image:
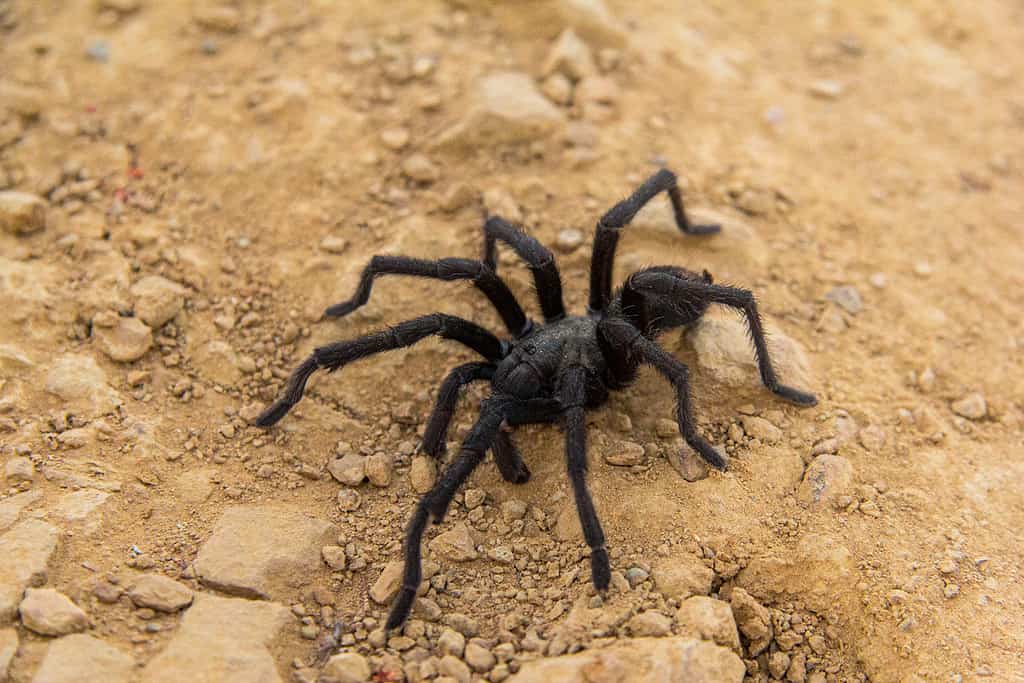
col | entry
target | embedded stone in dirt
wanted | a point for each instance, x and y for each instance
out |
(157, 300)
(217, 361)
(972, 406)
(349, 470)
(258, 551)
(82, 384)
(50, 613)
(25, 551)
(8, 646)
(160, 593)
(682, 576)
(387, 584)
(625, 454)
(569, 56)
(710, 619)
(738, 240)
(422, 473)
(22, 213)
(79, 505)
(347, 667)
(820, 571)
(221, 639)
(456, 544)
(753, 619)
(81, 657)
(760, 428)
(127, 341)
(826, 478)
(10, 508)
(639, 660)
(649, 623)
(506, 108)
(724, 353)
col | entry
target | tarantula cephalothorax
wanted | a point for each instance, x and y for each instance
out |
(546, 372)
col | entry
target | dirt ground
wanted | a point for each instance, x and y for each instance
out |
(867, 157)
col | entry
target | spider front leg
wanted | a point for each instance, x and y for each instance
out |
(692, 293)
(572, 394)
(435, 503)
(628, 340)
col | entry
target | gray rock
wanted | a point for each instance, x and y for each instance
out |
(258, 551)
(160, 593)
(639, 660)
(50, 613)
(709, 619)
(157, 300)
(22, 213)
(81, 657)
(25, 551)
(827, 478)
(221, 639)
(847, 297)
(506, 107)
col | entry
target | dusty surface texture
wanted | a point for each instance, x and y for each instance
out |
(185, 186)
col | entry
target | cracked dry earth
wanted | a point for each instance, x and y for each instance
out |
(185, 186)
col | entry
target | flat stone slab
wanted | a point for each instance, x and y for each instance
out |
(221, 640)
(25, 551)
(640, 660)
(10, 508)
(81, 657)
(260, 551)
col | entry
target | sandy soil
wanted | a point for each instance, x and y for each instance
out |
(868, 157)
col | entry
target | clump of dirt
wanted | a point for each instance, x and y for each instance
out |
(184, 187)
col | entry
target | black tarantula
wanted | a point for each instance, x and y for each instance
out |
(546, 372)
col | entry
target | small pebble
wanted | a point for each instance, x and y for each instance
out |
(569, 240)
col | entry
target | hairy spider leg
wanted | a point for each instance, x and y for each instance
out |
(572, 393)
(483, 277)
(607, 237)
(627, 339)
(690, 293)
(434, 504)
(539, 258)
(339, 354)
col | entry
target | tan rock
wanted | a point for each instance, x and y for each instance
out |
(753, 619)
(50, 613)
(682, 576)
(259, 551)
(157, 300)
(8, 648)
(649, 624)
(22, 213)
(82, 385)
(25, 551)
(709, 619)
(221, 639)
(160, 593)
(639, 660)
(81, 657)
(827, 478)
(347, 667)
(456, 544)
(820, 571)
(127, 341)
(569, 56)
